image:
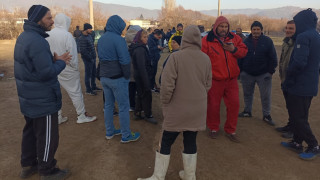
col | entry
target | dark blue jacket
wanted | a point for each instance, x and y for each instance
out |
(36, 73)
(87, 50)
(153, 48)
(113, 51)
(259, 60)
(303, 69)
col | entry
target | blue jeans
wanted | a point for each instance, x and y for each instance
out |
(116, 89)
(90, 74)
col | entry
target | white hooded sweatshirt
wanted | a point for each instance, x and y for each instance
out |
(62, 41)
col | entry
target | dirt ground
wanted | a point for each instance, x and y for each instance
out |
(85, 151)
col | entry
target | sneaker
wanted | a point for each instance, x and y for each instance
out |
(91, 93)
(96, 89)
(28, 171)
(287, 135)
(283, 129)
(62, 119)
(85, 118)
(138, 115)
(310, 153)
(132, 137)
(298, 148)
(268, 120)
(115, 132)
(155, 90)
(58, 174)
(233, 137)
(131, 109)
(151, 119)
(245, 114)
(213, 134)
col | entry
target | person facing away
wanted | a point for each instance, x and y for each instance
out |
(301, 83)
(154, 50)
(179, 32)
(61, 41)
(186, 80)
(114, 75)
(286, 51)
(88, 55)
(142, 72)
(224, 48)
(257, 68)
(36, 72)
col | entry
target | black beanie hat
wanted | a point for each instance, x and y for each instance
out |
(180, 25)
(177, 39)
(37, 12)
(257, 24)
(87, 26)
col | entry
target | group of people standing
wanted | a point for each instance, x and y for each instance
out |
(195, 77)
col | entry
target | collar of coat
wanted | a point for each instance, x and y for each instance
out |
(211, 36)
(32, 26)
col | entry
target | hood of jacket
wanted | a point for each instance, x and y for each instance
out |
(134, 46)
(62, 21)
(115, 24)
(305, 20)
(191, 38)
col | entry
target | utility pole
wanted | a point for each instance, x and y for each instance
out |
(91, 13)
(219, 13)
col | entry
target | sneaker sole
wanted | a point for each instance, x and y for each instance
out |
(132, 140)
(292, 149)
(110, 137)
(308, 159)
(86, 121)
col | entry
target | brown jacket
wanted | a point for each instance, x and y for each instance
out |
(186, 79)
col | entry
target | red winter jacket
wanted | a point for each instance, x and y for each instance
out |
(224, 63)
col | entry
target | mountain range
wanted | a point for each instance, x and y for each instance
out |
(129, 13)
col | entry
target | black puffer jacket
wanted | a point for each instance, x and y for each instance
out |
(141, 64)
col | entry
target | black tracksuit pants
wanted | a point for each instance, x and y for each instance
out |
(144, 99)
(189, 142)
(298, 108)
(40, 141)
(289, 124)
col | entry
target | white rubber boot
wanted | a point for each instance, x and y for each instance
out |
(60, 118)
(84, 118)
(160, 167)
(189, 166)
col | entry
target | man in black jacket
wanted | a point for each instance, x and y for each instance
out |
(258, 67)
(88, 55)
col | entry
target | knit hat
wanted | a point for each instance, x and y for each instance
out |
(87, 26)
(257, 24)
(179, 25)
(37, 12)
(220, 20)
(177, 39)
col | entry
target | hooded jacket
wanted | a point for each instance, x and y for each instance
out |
(131, 33)
(303, 69)
(224, 63)
(186, 80)
(36, 73)
(61, 41)
(113, 51)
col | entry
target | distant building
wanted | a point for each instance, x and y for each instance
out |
(143, 23)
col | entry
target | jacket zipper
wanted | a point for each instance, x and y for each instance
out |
(225, 55)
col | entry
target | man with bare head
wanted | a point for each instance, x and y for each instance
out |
(239, 33)
(36, 72)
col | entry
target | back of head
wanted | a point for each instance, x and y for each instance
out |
(115, 24)
(131, 32)
(305, 20)
(62, 21)
(191, 37)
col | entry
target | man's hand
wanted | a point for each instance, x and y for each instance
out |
(228, 46)
(66, 57)
(159, 47)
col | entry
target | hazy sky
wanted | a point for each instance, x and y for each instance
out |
(225, 4)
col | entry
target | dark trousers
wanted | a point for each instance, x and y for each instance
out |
(154, 73)
(144, 99)
(132, 94)
(40, 141)
(189, 142)
(289, 124)
(90, 74)
(298, 108)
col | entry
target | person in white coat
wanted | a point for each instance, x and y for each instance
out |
(61, 41)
